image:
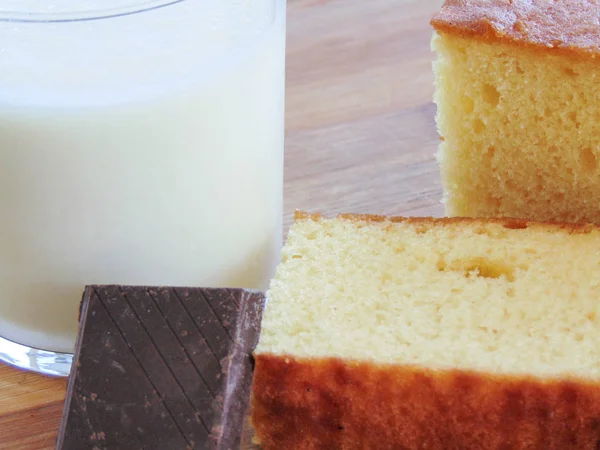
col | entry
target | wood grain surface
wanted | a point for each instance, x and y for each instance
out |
(360, 137)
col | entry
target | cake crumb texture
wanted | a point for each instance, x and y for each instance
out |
(520, 128)
(506, 296)
(450, 333)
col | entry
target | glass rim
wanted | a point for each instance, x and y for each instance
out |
(81, 16)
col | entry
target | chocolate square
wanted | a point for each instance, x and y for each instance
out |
(161, 368)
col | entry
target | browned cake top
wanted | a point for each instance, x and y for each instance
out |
(558, 26)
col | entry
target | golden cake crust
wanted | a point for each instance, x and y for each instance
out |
(559, 26)
(334, 404)
(427, 222)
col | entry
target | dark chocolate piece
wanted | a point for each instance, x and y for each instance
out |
(161, 368)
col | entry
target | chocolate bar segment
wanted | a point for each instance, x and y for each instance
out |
(161, 367)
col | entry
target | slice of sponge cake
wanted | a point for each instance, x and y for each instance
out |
(393, 333)
(518, 107)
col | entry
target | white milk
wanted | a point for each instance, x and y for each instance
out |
(143, 149)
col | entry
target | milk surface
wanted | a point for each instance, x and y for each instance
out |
(141, 149)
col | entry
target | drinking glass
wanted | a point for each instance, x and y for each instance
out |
(141, 142)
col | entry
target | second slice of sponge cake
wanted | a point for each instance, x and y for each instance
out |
(519, 107)
(384, 333)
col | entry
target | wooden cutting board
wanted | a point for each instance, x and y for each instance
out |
(360, 137)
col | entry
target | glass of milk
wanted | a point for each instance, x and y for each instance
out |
(141, 142)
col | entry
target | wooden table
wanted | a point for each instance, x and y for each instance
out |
(360, 138)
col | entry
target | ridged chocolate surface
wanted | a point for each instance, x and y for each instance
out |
(161, 368)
